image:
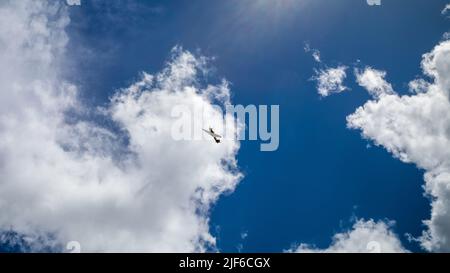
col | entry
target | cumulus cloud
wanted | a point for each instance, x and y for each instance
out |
(373, 80)
(130, 189)
(364, 237)
(330, 80)
(416, 128)
(418, 85)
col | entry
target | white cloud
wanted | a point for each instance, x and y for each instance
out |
(365, 237)
(77, 180)
(446, 36)
(314, 52)
(330, 80)
(446, 9)
(373, 80)
(73, 2)
(416, 128)
(418, 85)
(316, 56)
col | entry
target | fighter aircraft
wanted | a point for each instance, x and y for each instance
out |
(214, 135)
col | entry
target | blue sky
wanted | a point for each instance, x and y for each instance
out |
(324, 176)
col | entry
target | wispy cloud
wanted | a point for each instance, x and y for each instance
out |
(330, 80)
(446, 9)
(315, 53)
(374, 81)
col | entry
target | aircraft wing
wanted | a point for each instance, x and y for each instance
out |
(212, 134)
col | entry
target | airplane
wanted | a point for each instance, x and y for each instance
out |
(214, 135)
